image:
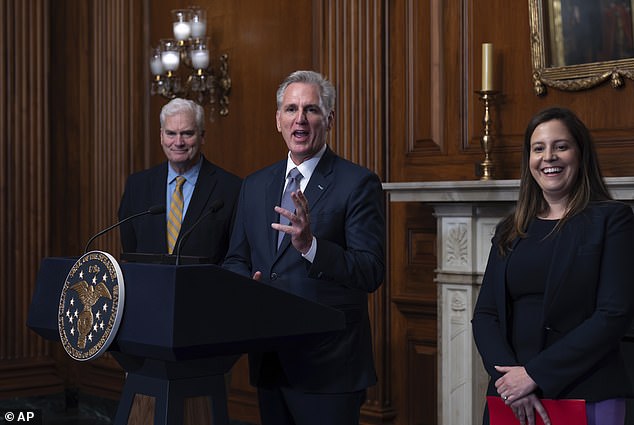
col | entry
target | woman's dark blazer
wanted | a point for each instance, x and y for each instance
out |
(588, 307)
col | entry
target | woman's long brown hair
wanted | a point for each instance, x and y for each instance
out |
(588, 186)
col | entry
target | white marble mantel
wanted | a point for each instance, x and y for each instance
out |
(467, 213)
(622, 188)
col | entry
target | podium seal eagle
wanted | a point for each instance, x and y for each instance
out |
(91, 305)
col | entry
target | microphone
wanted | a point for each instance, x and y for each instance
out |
(154, 209)
(214, 207)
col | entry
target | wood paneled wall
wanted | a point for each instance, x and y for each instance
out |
(98, 111)
(78, 118)
(348, 49)
(262, 50)
(434, 123)
(25, 204)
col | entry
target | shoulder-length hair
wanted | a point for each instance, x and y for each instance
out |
(588, 186)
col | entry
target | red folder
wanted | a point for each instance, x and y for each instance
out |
(560, 412)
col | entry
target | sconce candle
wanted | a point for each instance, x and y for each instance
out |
(198, 21)
(198, 28)
(170, 60)
(156, 65)
(189, 49)
(200, 59)
(487, 66)
(182, 30)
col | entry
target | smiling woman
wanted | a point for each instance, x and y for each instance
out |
(554, 164)
(564, 257)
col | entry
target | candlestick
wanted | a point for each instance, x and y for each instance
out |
(487, 66)
(487, 167)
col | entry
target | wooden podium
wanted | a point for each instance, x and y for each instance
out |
(184, 327)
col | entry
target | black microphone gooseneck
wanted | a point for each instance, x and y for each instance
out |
(214, 207)
(155, 209)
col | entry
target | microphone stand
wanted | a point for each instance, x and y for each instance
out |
(156, 209)
(215, 206)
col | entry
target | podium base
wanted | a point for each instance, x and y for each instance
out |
(170, 383)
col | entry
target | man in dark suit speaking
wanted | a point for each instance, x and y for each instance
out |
(193, 190)
(313, 224)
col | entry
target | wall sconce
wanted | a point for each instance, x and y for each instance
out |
(190, 49)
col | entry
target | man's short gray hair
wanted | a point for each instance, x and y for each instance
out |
(327, 92)
(179, 106)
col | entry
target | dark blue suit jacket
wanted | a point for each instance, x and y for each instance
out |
(346, 205)
(147, 234)
(588, 307)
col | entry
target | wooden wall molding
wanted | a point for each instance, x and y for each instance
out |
(117, 51)
(424, 77)
(349, 51)
(349, 46)
(412, 335)
(70, 119)
(422, 359)
(24, 182)
(416, 76)
(120, 69)
(30, 375)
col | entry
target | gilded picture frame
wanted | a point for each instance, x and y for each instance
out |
(579, 44)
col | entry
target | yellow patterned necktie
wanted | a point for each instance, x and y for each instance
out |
(175, 216)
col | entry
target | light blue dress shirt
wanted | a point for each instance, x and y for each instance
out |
(191, 176)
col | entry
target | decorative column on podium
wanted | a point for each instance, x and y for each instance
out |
(486, 168)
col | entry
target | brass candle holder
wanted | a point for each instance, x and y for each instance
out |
(487, 167)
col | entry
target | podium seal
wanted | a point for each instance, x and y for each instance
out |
(91, 305)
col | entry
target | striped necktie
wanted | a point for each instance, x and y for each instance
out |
(294, 176)
(175, 216)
